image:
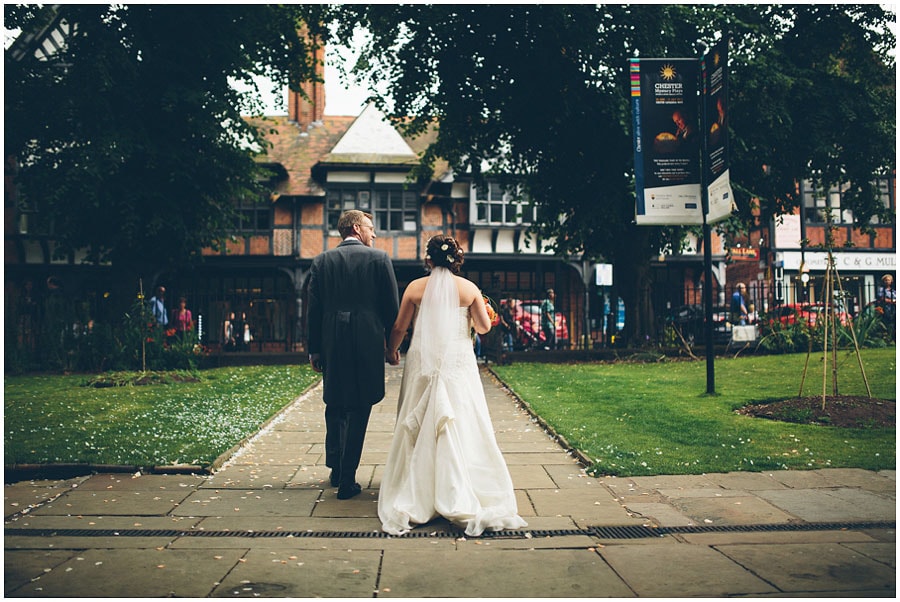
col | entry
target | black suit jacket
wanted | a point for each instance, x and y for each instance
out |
(353, 302)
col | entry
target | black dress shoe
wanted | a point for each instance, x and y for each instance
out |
(348, 491)
(335, 477)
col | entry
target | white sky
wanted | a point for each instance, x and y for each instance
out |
(339, 98)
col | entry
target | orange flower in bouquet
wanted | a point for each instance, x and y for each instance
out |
(492, 313)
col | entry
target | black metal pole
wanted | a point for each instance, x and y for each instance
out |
(707, 249)
(708, 305)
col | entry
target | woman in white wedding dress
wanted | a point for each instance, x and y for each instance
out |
(444, 458)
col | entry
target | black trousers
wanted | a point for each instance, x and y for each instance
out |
(345, 432)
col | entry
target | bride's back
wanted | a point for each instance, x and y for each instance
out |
(468, 292)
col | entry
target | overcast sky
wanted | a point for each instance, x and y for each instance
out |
(339, 98)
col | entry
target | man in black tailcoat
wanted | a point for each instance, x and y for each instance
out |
(353, 302)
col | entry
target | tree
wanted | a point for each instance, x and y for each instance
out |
(131, 136)
(539, 93)
(814, 96)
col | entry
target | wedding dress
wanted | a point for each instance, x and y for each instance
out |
(444, 459)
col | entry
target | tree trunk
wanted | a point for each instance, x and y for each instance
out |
(632, 275)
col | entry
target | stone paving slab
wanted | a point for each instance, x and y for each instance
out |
(731, 510)
(746, 481)
(660, 515)
(302, 573)
(572, 476)
(118, 573)
(885, 553)
(843, 536)
(67, 542)
(256, 477)
(586, 507)
(274, 456)
(531, 476)
(832, 505)
(856, 477)
(529, 573)
(664, 570)
(827, 567)
(255, 502)
(130, 503)
(97, 523)
(289, 524)
(139, 482)
(659, 482)
(22, 568)
(26, 495)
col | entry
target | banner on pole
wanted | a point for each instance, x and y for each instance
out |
(715, 121)
(665, 103)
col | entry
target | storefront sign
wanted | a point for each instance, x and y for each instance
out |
(843, 262)
(787, 232)
(744, 254)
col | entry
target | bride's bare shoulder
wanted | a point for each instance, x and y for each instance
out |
(417, 287)
(468, 290)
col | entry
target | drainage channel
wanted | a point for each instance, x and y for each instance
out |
(601, 532)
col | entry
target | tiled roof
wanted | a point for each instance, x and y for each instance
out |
(298, 151)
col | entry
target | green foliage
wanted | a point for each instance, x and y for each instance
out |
(646, 419)
(54, 419)
(868, 327)
(131, 137)
(775, 337)
(539, 94)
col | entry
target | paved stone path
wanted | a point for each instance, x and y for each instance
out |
(268, 525)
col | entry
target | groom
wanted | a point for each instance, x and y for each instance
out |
(353, 302)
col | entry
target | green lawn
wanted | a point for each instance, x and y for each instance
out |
(647, 419)
(55, 419)
(630, 419)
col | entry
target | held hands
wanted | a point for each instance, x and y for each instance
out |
(392, 357)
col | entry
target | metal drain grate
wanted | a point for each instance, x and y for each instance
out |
(604, 532)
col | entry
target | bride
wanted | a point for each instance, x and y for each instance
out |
(444, 459)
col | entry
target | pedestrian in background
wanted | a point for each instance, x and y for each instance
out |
(548, 320)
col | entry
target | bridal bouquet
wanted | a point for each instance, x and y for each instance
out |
(492, 313)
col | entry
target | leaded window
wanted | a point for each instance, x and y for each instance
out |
(496, 206)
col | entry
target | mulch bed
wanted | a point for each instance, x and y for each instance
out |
(844, 411)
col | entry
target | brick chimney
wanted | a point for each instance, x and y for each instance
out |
(306, 111)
